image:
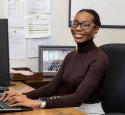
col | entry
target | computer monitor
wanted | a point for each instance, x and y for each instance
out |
(51, 58)
(4, 54)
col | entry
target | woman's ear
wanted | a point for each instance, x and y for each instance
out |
(96, 29)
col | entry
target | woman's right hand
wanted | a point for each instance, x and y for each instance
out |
(15, 99)
(7, 94)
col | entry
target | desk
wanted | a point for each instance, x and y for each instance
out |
(21, 87)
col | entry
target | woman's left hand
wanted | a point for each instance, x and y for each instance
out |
(22, 100)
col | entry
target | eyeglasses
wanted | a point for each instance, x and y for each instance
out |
(84, 25)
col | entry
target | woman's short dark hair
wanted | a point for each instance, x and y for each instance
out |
(95, 15)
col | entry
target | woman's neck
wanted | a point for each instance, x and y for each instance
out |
(82, 47)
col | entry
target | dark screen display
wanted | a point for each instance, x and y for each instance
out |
(4, 54)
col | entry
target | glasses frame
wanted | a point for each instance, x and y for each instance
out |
(85, 27)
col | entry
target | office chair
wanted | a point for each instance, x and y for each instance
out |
(114, 84)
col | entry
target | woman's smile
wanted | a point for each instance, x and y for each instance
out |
(78, 35)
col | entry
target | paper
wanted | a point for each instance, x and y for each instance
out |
(37, 18)
(15, 8)
(26, 19)
(17, 43)
(37, 6)
(37, 26)
(33, 44)
(23, 72)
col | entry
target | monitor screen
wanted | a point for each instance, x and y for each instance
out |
(51, 58)
(4, 54)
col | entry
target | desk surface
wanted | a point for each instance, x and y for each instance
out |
(20, 87)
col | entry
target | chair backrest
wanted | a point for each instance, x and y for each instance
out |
(114, 84)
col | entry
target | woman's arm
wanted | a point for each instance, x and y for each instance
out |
(51, 87)
(95, 73)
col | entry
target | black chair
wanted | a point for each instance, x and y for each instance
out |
(114, 84)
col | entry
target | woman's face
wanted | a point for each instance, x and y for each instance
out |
(83, 28)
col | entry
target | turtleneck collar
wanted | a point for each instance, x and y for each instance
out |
(83, 47)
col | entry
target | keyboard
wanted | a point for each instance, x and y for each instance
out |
(2, 89)
(4, 108)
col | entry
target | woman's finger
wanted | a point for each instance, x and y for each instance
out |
(14, 99)
(7, 96)
(4, 95)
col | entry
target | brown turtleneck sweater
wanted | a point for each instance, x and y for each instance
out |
(80, 75)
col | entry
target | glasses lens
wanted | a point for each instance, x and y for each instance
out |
(85, 25)
(75, 24)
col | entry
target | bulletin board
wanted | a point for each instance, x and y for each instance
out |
(112, 12)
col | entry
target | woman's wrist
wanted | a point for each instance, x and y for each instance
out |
(36, 104)
(42, 103)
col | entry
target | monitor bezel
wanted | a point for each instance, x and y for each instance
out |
(49, 48)
(4, 57)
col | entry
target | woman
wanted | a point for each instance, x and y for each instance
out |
(79, 75)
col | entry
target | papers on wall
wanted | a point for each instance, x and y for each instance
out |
(17, 43)
(33, 44)
(37, 26)
(37, 6)
(27, 19)
(14, 8)
(37, 17)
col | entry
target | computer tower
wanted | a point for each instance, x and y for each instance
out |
(4, 54)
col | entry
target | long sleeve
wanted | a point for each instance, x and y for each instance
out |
(80, 75)
(50, 88)
(86, 88)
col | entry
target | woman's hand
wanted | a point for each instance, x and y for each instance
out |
(15, 99)
(22, 100)
(7, 94)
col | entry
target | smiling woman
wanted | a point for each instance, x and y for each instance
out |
(80, 75)
(85, 27)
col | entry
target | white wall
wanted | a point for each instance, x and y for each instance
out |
(61, 32)
(1, 8)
